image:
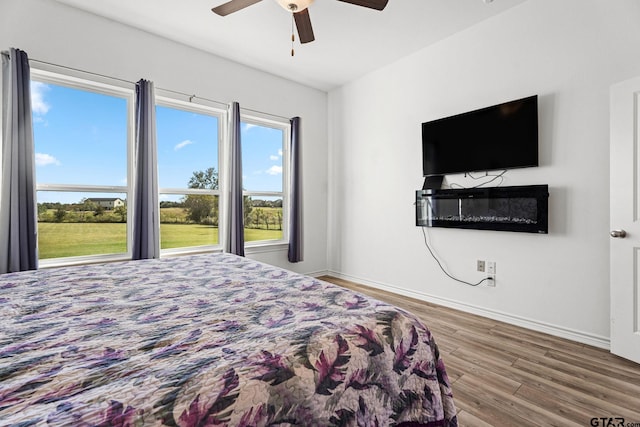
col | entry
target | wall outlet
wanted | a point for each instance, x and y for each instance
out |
(491, 273)
(491, 268)
(480, 265)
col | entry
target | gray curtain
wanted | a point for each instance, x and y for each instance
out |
(18, 226)
(236, 223)
(146, 215)
(295, 214)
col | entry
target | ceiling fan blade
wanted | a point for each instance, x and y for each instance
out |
(232, 6)
(303, 24)
(371, 4)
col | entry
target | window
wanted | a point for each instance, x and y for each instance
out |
(264, 175)
(188, 139)
(82, 137)
(84, 143)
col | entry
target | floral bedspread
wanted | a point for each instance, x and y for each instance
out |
(210, 340)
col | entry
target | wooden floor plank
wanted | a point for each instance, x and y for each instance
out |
(587, 384)
(483, 407)
(466, 419)
(505, 375)
(511, 404)
(491, 378)
(625, 375)
(566, 409)
(550, 386)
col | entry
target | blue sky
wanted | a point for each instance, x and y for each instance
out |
(81, 138)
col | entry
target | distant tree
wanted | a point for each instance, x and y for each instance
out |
(247, 208)
(60, 214)
(85, 206)
(257, 217)
(268, 219)
(206, 179)
(168, 204)
(201, 206)
(98, 210)
(122, 211)
(50, 205)
(260, 203)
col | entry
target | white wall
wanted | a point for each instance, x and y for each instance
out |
(568, 52)
(49, 31)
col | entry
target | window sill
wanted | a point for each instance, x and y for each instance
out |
(256, 248)
(83, 260)
(266, 247)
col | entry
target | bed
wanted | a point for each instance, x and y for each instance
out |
(210, 340)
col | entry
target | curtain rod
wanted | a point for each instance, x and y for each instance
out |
(190, 96)
(81, 71)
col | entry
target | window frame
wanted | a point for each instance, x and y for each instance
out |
(127, 93)
(220, 112)
(268, 120)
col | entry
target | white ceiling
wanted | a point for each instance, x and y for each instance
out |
(350, 40)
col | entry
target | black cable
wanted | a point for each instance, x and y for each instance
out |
(494, 177)
(491, 180)
(424, 233)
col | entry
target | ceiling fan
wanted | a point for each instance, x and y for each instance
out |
(299, 10)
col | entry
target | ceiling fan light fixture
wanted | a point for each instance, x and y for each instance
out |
(294, 5)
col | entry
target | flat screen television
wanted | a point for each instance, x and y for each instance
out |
(502, 136)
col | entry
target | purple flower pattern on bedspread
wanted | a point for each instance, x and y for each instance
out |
(210, 340)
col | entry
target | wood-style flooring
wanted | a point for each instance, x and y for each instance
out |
(505, 375)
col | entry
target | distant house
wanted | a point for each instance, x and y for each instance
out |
(107, 202)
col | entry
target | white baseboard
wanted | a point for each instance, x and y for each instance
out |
(318, 273)
(535, 325)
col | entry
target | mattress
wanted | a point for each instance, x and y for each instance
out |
(210, 340)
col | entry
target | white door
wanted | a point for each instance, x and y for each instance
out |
(625, 219)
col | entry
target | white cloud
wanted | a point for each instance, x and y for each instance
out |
(43, 159)
(182, 144)
(274, 170)
(276, 156)
(38, 104)
(248, 126)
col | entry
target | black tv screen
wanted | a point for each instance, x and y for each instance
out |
(502, 136)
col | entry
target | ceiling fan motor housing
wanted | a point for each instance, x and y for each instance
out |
(295, 5)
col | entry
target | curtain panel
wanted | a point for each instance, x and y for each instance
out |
(18, 221)
(236, 224)
(295, 215)
(146, 214)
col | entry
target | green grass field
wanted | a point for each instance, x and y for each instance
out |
(252, 234)
(56, 240)
(185, 235)
(75, 239)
